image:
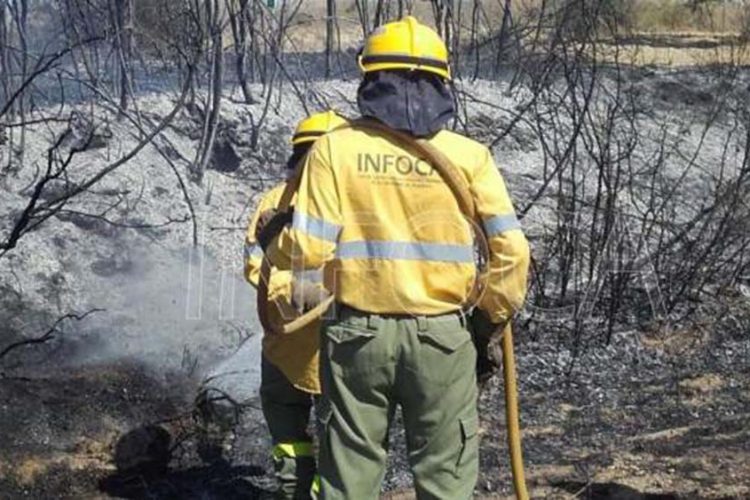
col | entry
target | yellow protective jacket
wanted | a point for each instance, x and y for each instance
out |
(390, 231)
(296, 354)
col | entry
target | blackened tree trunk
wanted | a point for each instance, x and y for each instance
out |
(5, 70)
(122, 23)
(330, 15)
(379, 14)
(216, 87)
(20, 12)
(502, 38)
(364, 15)
(239, 21)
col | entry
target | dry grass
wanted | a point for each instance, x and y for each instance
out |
(308, 30)
(652, 16)
(665, 32)
(659, 16)
(675, 16)
(644, 55)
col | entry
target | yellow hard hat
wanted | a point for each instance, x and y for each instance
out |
(405, 44)
(316, 125)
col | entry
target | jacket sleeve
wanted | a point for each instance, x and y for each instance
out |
(508, 247)
(253, 253)
(310, 242)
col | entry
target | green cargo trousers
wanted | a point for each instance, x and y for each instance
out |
(287, 413)
(369, 365)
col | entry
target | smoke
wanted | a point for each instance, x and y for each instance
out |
(170, 311)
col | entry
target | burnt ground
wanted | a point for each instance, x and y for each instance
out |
(659, 416)
(101, 431)
(671, 423)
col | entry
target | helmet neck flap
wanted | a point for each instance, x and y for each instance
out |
(415, 102)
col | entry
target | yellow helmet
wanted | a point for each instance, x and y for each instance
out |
(316, 125)
(405, 44)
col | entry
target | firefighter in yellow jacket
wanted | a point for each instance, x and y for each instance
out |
(289, 373)
(399, 258)
(289, 365)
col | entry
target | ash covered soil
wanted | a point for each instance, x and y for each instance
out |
(660, 412)
(621, 424)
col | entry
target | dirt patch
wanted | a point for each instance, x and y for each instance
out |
(546, 430)
(677, 341)
(26, 471)
(680, 40)
(702, 384)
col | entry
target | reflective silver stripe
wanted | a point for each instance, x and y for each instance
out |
(310, 275)
(405, 250)
(253, 251)
(315, 227)
(500, 223)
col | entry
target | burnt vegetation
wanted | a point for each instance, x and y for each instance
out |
(632, 181)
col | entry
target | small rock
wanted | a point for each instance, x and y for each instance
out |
(84, 135)
(225, 157)
(54, 190)
(89, 223)
(145, 450)
(111, 266)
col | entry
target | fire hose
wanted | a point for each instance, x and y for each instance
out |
(511, 415)
(455, 180)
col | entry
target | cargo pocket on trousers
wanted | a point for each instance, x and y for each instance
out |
(446, 357)
(469, 428)
(446, 339)
(349, 349)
